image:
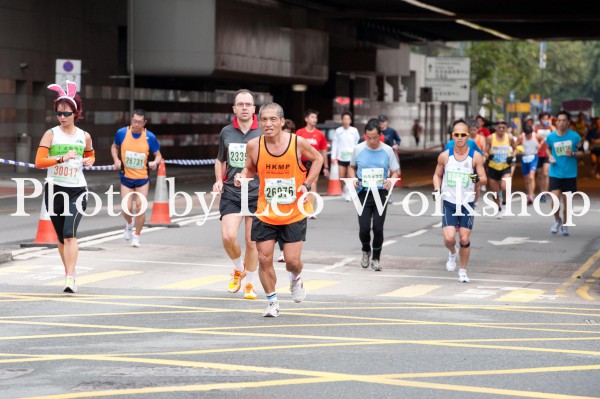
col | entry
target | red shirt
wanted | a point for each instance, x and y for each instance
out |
(485, 131)
(316, 138)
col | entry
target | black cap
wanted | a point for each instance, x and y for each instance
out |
(501, 122)
(382, 117)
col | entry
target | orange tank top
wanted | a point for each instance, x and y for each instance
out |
(134, 155)
(280, 176)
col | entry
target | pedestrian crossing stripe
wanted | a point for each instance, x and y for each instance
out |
(196, 282)
(18, 269)
(521, 295)
(412, 291)
(96, 277)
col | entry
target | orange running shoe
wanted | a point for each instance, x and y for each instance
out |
(249, 292)
(236, 280)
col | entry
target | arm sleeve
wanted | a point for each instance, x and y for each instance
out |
(41, 158)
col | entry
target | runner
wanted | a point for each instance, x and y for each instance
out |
(276, 159)
(344, 140)
(288, 127)
(500, 150)
(65, 150)
(531, 143)
(563, 145)
(317, 139)
(375, 164)
(134, 144)
(543, 130)
(457, 171)
(230, 161)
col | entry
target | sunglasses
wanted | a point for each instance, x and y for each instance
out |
(457, 134)
(66, 114)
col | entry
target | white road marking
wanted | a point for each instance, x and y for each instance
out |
(415, 234)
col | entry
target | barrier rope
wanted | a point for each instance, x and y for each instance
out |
(185, 162)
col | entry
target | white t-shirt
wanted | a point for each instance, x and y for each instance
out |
(343, 143)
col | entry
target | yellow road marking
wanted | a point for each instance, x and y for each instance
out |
(583, 292)
(18, 269)
(521, 295)
(412, 291)
(584, 268)
(95, 277)
(596, 274)
(195, 282)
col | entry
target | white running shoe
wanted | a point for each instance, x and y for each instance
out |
(70, 286)
(365, 259)
(297, 289)
(272, 310)
(500, 213)
(451, 263)
(462, 276)
(555, 226)
(128, 232)
(135, 241)
(375, 265)
(281, 258)
(564, 230)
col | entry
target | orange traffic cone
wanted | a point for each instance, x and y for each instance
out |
(46, 235)
(335, 185)
(160, 209)
(399, 182)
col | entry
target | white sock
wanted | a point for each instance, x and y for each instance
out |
(238, 264)
(293, 277)
(250, 277)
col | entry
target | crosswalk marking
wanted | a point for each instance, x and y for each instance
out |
(196, 282)
(18, 269)
(95, 277)
(412, 291)
(521, 295)
(310, 285)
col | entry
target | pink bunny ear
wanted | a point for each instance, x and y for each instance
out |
(71, 89)
(58, 89)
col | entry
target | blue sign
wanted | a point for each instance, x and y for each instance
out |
(68, 66)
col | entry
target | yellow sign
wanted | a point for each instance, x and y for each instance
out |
(518, 107)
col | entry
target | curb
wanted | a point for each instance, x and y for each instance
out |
(5, 256)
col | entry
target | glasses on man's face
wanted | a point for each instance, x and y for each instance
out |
(244, 105)
(459, 134)
(64, 113)
(137, 122)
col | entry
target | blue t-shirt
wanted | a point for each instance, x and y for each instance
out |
(152, 142)
(391, 136)
(376, 163)
(470, 142)
(565, 166)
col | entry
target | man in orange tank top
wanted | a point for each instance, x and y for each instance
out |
(281, 209)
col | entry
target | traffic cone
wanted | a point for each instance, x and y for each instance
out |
(46, 235)
(161, 216)
(335, 185)
(399, 182)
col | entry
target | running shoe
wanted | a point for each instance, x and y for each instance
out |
(500, 213)
(281, 258)
(70, 286)
(272, 310)
(236, 280)
(135, 241)
(312, 217)
(529, 200)
(451, 263)
(543, 198)
(564, 230)
(375, 265)
(249, 292)
(128, 232)
(365, 259)
(297, 289)
(555, 226)
(462, 276)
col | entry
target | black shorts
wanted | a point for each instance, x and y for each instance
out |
(542, 161)
(564, 185)
(232, 203)
(495, 174)
(344, 163)
(284, 233)
(65, 225)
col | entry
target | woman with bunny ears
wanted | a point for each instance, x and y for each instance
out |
(64, 150)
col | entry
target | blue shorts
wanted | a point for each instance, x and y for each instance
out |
(449, 219)
(528, 167)
(133, 183)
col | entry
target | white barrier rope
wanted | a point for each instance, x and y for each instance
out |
(185, 162)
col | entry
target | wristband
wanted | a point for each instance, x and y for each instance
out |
(307, 186)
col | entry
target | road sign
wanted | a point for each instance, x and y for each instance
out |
(449, 78)
(67, 69)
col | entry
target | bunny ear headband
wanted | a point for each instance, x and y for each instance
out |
(69, 95)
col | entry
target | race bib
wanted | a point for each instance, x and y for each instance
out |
(67, 172)
(237, 155)
(528, 158)
(372, 177)
(135, 160)
(284, 189)
(457, 179)
(345, 156)
(543, 132)
(500, 154)
(561, 147)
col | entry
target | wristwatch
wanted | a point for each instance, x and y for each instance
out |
(307, 186)
(58, 159)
